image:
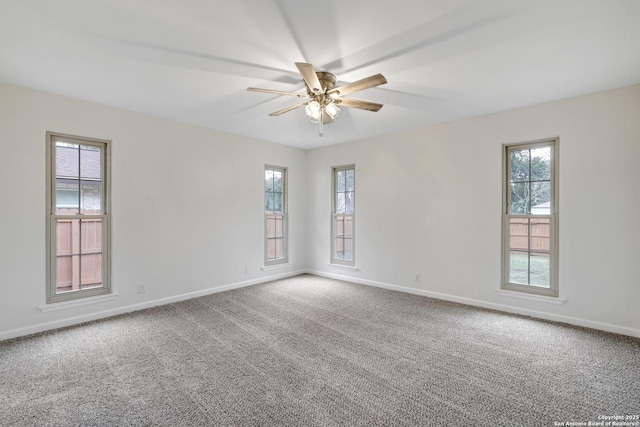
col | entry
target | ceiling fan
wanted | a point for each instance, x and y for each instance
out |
(322, 97)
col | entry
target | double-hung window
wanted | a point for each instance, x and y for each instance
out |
(275, 215)
(77, 217)
(530, 256)
(343, 215)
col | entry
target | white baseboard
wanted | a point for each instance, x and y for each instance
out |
(608, 327)
(74, 320)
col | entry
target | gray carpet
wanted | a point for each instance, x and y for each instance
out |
(309, 351)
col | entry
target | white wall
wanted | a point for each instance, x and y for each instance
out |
(187, 207)
(429, 201)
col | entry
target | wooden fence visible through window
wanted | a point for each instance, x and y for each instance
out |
(530, 234)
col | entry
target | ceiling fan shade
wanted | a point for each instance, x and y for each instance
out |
(332, 110)
(313, 111)
(323, 98)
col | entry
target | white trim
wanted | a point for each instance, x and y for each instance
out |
(532, 297)
(41, 327)
(70, 321)
(345, 267)
(63, 305)
(608, 327)
(275, 266)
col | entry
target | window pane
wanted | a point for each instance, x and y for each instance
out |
(67, 160)
(540, 269)
(340, 203)
(90, 162)
(350, 180)
(529, 251)
(271, 248)
(348, 250)
(519, 198)
(67, 251)
(274, 203)
(79, 254)
(279, 248)
(339, 248)
(68, 274)
(67, 236)
(268, 180)
(519, 234)
(540, 250)
(348, 227)
(349, 202)
(340, 181)
(278, 223)
(91, 236)
(518, 267)
(541, 198)
(541, 164)
(519, 250)
(277, 181)
(540, 235)
(67, 196)
(277, 202)
(268, 202)
(91, 197)
(67, 178)
(519, 166)
(339, 226)
(271, 227)
(91, 274)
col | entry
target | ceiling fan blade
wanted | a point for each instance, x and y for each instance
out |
(289, 108)
(365, 83)
(355, 103)
(277, 92)
(310, 77)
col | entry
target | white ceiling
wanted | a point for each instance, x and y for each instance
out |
(192, 60)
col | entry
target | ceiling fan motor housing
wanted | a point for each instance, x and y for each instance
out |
(327, 81)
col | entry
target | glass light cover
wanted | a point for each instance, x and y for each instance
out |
(313, 111)
(332, 110)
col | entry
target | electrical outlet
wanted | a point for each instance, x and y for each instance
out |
(246, 269)
(416, 277)
(142, 287)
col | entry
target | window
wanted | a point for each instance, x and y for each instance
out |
(343, 216)
(275, 215)
(77, 217)
(530, 218)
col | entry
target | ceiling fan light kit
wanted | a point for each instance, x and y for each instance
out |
(323, 97)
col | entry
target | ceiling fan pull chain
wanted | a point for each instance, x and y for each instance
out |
(321, 121)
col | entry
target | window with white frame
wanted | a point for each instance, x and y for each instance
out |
(275, 215)
(343, 216)
(530, 233)
(78, 217)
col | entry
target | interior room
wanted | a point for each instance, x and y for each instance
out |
(325, 163)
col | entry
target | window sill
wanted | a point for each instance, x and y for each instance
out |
(276, 266)
(77, 303)
(531, 297)
(346, 267)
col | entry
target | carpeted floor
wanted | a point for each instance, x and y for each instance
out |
(310, 351)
